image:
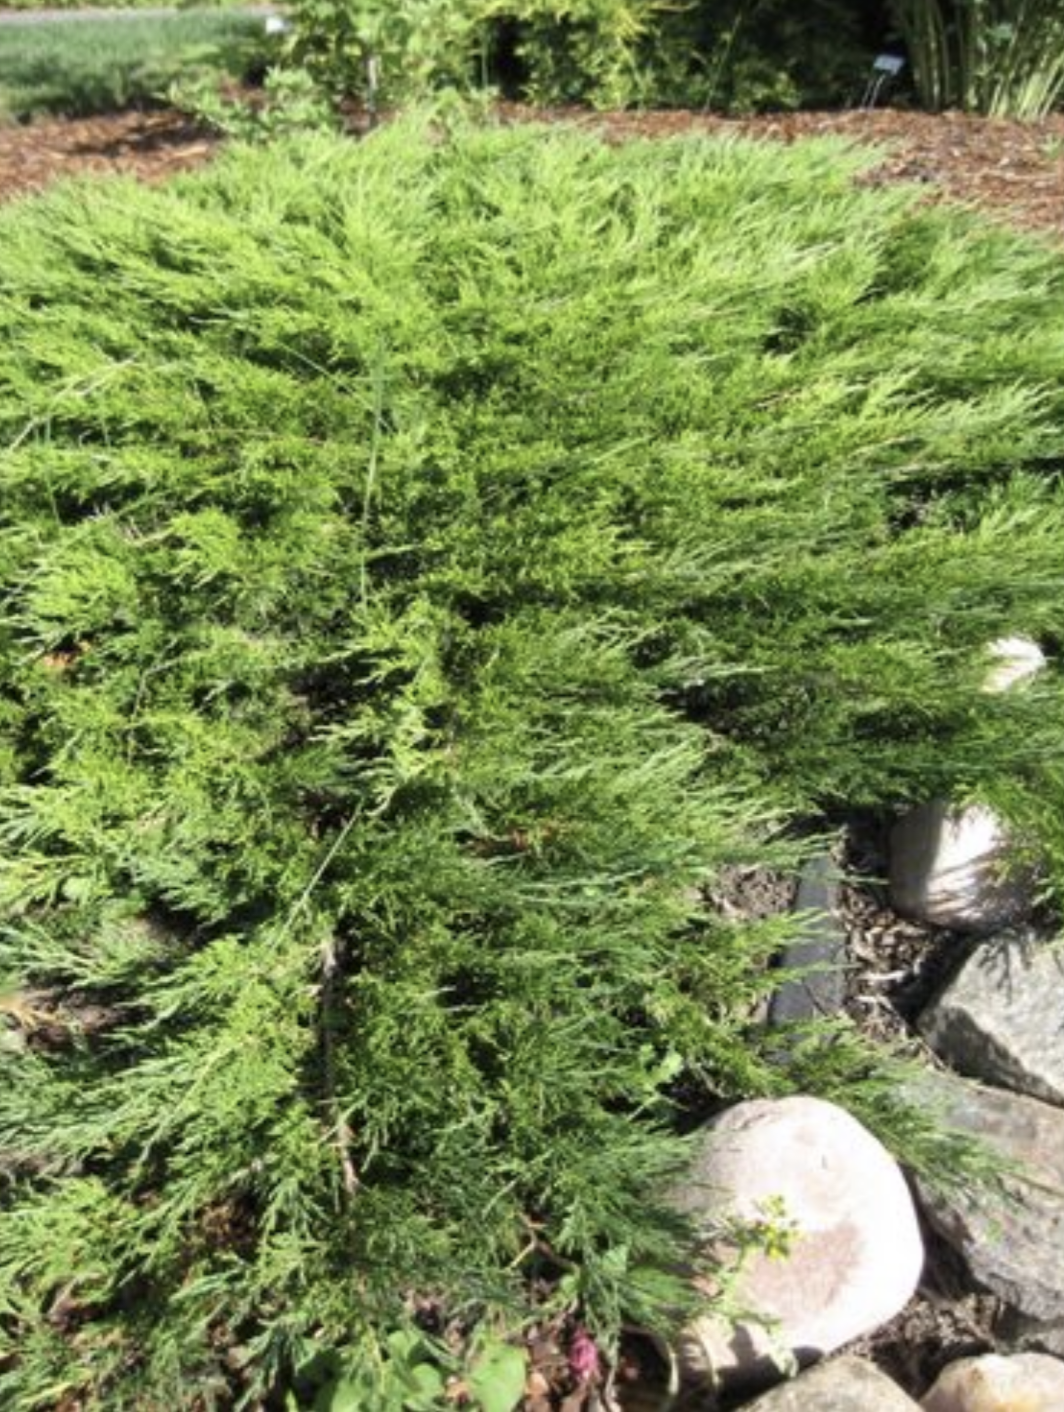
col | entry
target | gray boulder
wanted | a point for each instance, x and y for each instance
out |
(840, 1385)
(1012, 1242)
(1002, 1018)
(1018, 1333)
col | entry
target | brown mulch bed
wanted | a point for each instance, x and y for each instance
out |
(149, 145)
(1014, 171)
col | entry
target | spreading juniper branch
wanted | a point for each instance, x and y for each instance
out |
(461, 549)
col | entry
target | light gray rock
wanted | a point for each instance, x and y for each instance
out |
(1012, 1247)
(822, 945)
(956, 867)
(1002, 1017)
(851, 1253)
(1020, 1334)
(1014, 660)
(1023, 1382)
(840, 1385)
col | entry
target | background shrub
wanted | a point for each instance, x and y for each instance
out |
(741, 55)
(744, 56)
(382, 52)
(1004, 58)
(84, 66)
(424, 562)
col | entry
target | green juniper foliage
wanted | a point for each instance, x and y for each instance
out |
(424, 563)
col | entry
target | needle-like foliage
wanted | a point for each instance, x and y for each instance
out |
(425, 564)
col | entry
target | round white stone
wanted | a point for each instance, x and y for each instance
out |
(953, 867)
(1024, 1382)
(1014, 660)
(855, 1255)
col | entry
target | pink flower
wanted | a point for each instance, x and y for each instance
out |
(583, 1357)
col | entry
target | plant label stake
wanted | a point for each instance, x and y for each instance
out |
(884, 67)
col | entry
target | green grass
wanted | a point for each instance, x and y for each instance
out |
(423, 562)
(82, 67)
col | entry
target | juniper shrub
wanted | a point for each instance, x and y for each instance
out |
(427, 563)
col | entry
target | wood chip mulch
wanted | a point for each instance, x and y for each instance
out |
(1011, 170)
(1014, 171)
(149, 145)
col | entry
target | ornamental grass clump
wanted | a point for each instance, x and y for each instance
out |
(1004, 58)
(427, 563)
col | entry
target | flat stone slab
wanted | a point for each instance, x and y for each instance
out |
(821, 992)
(1022, 1382)
(1014, 1247)
(840, 1385)
(1002, 1017)
(844, 1251)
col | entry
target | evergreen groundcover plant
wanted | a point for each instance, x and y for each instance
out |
(426, 563)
